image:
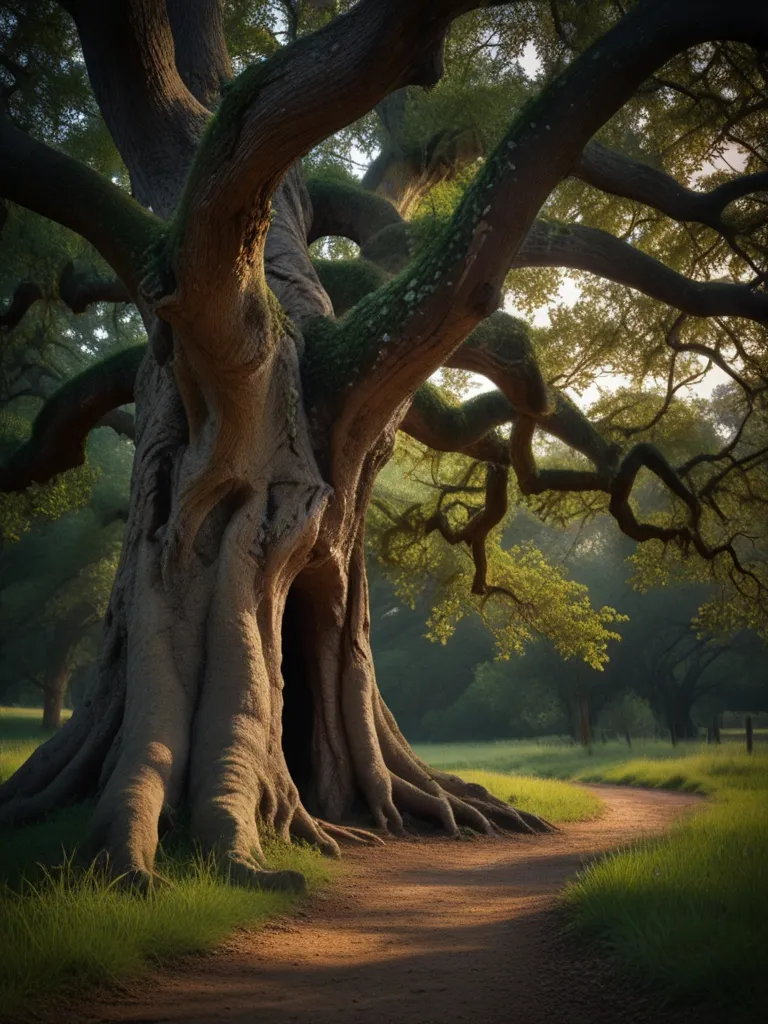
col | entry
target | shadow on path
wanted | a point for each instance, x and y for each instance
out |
(425, 932)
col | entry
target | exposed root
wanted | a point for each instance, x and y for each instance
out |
(347, 833)
(246, 872)
(318, 833)
(469, 817)
(427, 792)
(64, 772)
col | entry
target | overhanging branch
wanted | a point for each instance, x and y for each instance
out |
(620, 175)
(316, 85)
(598, 252)
(474, 533)
(468, 427)
(78, 289)
(56, 186)
(406, 330)
(62, 426)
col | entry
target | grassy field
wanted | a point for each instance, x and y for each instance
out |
(61, 928)
(553, 759)
(686, 915)
(20, 732)
(689, 913)
(558, 802)
(72, 929)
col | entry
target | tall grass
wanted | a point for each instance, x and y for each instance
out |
(73, 928)
(688, 914)
(63, 927)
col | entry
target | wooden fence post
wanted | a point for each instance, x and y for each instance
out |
(750, 734)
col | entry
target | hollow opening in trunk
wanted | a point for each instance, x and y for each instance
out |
(298, 705)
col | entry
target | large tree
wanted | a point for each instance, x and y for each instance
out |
(235, 674)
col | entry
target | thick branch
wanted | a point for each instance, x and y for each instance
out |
(598, 252)
(341, 208)
(200, 49)
(352, 213)
(275, 111)
(620, 175)
(61, 429)
(410, 327)
(122, 422)
(51, 183)
(500, 349)
(154, 119)
(77, 289)
(448, 426)
(348, 281)
(80, 289)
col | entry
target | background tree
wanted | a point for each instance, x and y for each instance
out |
(268, 398)
(55, 582)
(675, 674)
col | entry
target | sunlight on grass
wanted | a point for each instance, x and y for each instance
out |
(550, 759)
(554, 800)
(689, 912)
(686, 914)
(21, 730)
(72, 928)
(65, 928)
(12, 755)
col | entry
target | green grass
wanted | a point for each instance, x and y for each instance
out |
(21, 731)
(64, 928)
(552, 759)
(689, 912)
(73, 929)
(557, 801)
(686, 914)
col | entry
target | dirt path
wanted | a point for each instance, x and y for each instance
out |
(424, 932)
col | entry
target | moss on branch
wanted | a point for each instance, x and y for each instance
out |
(443, 423)
(348, 281)
(344, 208)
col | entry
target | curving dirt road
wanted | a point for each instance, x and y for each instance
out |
(424, 932)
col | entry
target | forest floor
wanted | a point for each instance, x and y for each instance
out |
(419, 932)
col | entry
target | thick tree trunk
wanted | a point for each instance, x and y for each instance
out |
(236, 674)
